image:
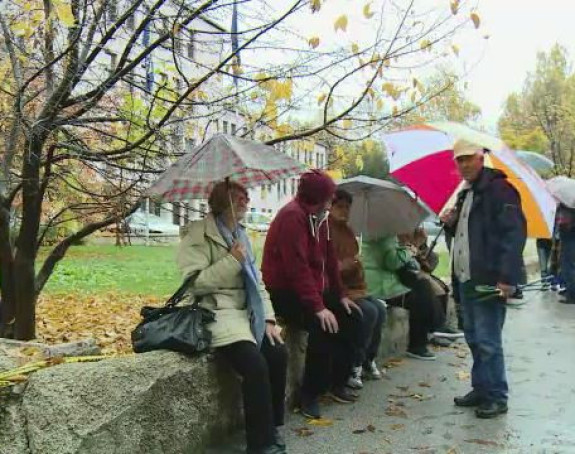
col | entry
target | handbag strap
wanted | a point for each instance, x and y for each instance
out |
(181, 292)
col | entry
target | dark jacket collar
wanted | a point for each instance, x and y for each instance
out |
(486, 177)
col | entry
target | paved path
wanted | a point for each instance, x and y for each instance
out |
(412, 411)
(540, 346)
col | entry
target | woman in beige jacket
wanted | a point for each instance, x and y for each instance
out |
(217, 252)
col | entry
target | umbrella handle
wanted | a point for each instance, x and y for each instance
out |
(434, 242)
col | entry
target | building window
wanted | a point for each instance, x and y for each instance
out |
(279, 189)
(190, 144)
(150, 206)
(203, 209)
(176, 213)
(157, 209)
(293, 186)
(191, 46)
(112, 12)
(113, 62)
(131, 21)
(234, 128)
(285, 187)
(225, 127)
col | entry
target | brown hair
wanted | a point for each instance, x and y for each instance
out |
(219, 200)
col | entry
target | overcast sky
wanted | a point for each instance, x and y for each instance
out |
(518, 29)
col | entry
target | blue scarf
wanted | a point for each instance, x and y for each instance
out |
(254, 302)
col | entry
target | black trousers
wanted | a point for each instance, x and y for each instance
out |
(329, 357)
(426, 311)
(263, 374)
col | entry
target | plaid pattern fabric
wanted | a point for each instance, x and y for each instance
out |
(247, 162)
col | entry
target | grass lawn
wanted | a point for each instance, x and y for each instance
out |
(143, 270)
(133, 270)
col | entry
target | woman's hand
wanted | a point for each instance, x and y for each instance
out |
(239, 252)
(273, 333)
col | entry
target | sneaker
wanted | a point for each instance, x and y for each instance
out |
(354, 382)
(309, 407)
(280, 440)
(489, 410)
(567, 301)
(342, 395)
(371, 372)
(448, 333)
(421, 353)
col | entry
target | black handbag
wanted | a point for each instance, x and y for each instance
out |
(177, 328)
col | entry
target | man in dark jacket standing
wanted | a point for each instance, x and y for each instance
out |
(489, 233)
(300, 271)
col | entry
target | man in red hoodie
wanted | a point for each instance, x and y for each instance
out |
(300, 271)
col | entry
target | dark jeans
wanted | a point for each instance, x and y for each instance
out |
(544, 247)
(483, 325)
(568, 263)
(374, 316)
(263, 373)
(329, 357)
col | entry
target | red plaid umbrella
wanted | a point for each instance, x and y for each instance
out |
(248, 162)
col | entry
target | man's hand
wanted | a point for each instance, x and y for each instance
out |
(239, 252)
(327, 321)
(273, 333)
(349, 304)
(506, 290)
(448, 216)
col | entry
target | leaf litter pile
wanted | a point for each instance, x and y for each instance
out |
(109, 318)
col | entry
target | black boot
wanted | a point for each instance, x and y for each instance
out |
(491, 409)
(471, 399)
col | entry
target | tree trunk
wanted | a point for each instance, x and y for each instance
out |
(7, 290)
(25, 326)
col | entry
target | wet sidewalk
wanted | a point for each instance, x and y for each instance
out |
(411, 411)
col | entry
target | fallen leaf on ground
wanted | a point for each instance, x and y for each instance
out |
(359, 431)
(303, 432)
(478, 441)
(321, 422)
(451, 451)
(371, 428)
(461, 354)
(463, 375)
(393, 362)
(394, 410)
(397, 426)
(424, 384)
(402, 388)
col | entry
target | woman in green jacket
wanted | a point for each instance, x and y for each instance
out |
(391, 273)
(217, 252)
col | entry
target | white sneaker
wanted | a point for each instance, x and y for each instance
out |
(371, 372)
(354, 381)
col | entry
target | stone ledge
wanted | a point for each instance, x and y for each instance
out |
(154, 403)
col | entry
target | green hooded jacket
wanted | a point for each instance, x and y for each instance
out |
(381, 258)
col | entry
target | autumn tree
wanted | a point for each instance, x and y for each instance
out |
(97, 95)
(542, 116)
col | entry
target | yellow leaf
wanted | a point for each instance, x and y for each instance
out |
(340, 23)
(476, 19)
(387, 63)
(454, 6)
(413, 95)
(359, 162)
(415, 82)
(355, 48)
(254, 96)
(425, 44)
(64, 13)
(315, 5)
(367, 11)
(321, 422)
(321, 98)
(379, 104)
(369, 145)
(455, 49)
(313, 42)
(395, 111)
(370, 92)
(347, 123)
